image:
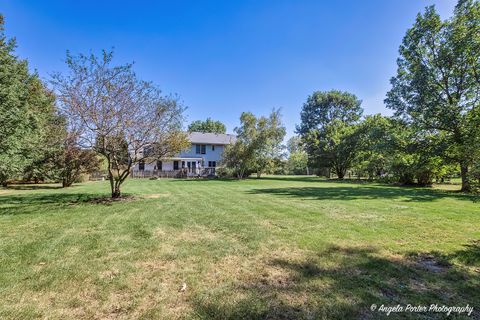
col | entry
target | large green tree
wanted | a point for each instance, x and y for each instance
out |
(393, 149)
(437, 86)
(373, 146)
(337, 146)
(207, 126)
(26, 108)
(328, 129)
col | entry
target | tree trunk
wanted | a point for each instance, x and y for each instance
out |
(112, 185)
(116, 192)
(259, 174)
(66, 183)
(340, 173)
(465, 179)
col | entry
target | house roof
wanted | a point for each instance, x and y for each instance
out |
(211, 138)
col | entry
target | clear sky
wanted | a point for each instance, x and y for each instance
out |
(225, 57)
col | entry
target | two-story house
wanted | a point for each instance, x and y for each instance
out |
(203, 156)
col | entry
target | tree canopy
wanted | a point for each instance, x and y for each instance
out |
(328, 129)
(207, 126)
(258, 146)
(437, 86)
(26, 109)
(124, 119)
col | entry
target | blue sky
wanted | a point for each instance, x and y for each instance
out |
(225, 57)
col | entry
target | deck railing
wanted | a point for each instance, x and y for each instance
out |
(180, 173)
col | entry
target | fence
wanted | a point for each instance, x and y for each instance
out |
(181, 173)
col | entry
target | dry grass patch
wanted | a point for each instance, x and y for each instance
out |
(156, 195)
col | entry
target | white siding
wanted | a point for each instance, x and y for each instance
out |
(210, 155)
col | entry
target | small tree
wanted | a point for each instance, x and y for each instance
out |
(207, 126)
(124, 119)
(258, 145)
(269, 148)
(240, 156)
(297, 162)
(75, 161)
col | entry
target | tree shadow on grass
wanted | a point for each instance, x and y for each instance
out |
(41, 202)
(291, 178)
(363, 192)
(469, 255)
(34, 187)
(201, 179)
(342, 283)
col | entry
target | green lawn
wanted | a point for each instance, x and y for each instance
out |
(274, 248)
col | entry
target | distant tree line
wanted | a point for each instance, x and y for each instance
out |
(207, 126)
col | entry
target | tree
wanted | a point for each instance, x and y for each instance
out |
(437, 86)
(294, 144)
(75, 161)
(337, 146)
(240, 156)
(269, 148)
(375, 146)
(26, 107)
(297, 162)
(206, 126)
(258, 145)
(416, 157)
(120, 117)
(328, 129)
(44, 164)
(392, 149)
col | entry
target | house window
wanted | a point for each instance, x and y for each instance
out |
(213, 147)
(212, 164)
(141, 165)
(200, 148)
(159, 165)
(148, 151)
(175, 165)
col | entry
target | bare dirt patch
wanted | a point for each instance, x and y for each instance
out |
(105, 200)
(431, 263)
(110, 200)
(156, 195)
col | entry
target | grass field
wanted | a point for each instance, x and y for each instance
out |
(274, 248)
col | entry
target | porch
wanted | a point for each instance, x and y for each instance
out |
(174, 168)
(181, 173)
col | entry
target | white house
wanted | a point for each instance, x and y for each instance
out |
(203, 156)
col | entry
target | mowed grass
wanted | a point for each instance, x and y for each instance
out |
(273, 248)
